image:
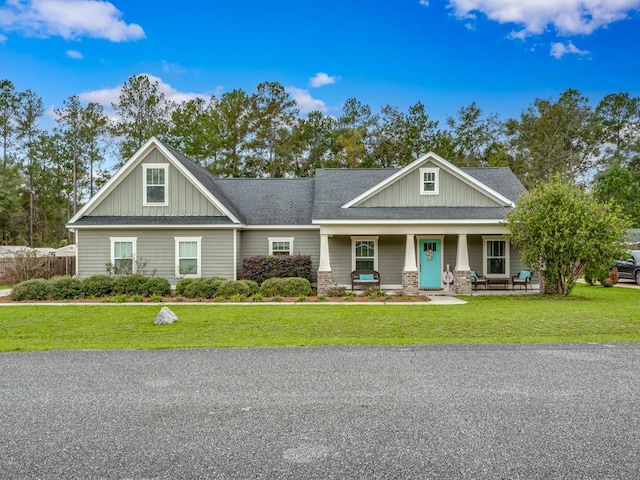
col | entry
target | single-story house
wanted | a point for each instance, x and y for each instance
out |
(164, 213)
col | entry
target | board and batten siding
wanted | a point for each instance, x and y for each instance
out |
(405, 192)
(256, 242)
(157, 250)
(127, 197)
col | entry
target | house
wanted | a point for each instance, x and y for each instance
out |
(162, 212)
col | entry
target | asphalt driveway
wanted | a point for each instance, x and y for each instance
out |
(525, 411)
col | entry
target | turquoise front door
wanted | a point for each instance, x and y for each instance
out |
(430, 263)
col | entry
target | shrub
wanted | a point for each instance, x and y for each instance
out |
(130, 284)
(36, 289)
(97, 286)
(258, 297)
(230, 288)
(285, 287)
(157, 287)
(251, 285)
(263, 267)
(182, 285)
(337, 291)
(65, 288)
(202, 287)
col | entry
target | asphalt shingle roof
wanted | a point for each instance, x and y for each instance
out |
(153, 220)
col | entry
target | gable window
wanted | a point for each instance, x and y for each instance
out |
(155, 185)
(364, 253)
(123, 255)
(496, 256)
(188, 257)
(280, 246)
(429, 180)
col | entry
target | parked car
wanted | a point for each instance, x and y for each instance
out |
(629, 267)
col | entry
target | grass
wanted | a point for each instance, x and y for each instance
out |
(590, 314)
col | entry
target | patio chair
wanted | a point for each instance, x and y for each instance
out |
(523, 278)
(478, 280)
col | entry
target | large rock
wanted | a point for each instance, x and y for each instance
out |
(166, 317)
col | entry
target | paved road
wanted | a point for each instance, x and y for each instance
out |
(546, 411)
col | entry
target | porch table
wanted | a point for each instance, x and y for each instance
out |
(502, 282)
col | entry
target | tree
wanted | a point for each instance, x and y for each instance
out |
(143, 112)
(562, 228)
(554, 138)
(31, 108)
(620, 185)
(618, 118)
(230, 127)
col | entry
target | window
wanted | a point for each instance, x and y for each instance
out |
(188, 257)
(365, 253)
(155, 185)
(123, 255)
(280, 246)
(429, 178)
(496, 257)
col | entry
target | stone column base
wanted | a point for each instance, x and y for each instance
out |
(462, 282)
(410, 284)
(325, 282)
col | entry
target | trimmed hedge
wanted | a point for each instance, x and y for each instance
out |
(231, 288)
(285, 287)
(130, 284)
(262, 267)
(97, 286)
(65, 288)
(157, 287)
(36, 289)
(199, 287)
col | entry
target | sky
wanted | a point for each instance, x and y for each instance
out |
(501, 54)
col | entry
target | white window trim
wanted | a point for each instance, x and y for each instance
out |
(198, 241)
(134, 250)
(147, 166)
(353, 250)
(273, 240)
(507, 263)
(436, 171)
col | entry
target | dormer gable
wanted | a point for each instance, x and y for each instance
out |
(156, 182)
(428, 182)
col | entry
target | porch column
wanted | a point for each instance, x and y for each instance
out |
(410, 284)
(325, 275)
(462, 271)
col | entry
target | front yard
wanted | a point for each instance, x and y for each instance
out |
(589, 314)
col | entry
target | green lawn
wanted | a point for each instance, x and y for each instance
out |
(590, 314)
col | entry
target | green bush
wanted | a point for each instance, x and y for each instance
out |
(285, 287)
(201, 287)
(130, 284)
(231, 288)
(65, 288)
(97, 286)
(182, 285)
(251, 285)
(157, 287)
(36, 289)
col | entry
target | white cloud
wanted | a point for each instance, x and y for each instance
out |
(306, 103)
(558, 50)
(172, 67)
(424, 3)
(69, 19)
(321, 79)
(3, 39)
(75, 54)
(567, 17)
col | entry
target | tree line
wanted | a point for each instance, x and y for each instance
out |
(47, 175)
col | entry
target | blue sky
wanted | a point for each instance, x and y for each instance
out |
(445, 53)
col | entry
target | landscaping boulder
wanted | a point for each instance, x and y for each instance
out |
(166, 317)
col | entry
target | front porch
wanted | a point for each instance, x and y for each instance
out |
(415, 263)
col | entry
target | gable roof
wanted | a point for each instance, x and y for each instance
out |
(332, 195)
(198, 176)
(445, 165)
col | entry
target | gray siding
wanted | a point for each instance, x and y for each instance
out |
(256, 242)
(405, 192)
(156, 248)
(127, 197)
